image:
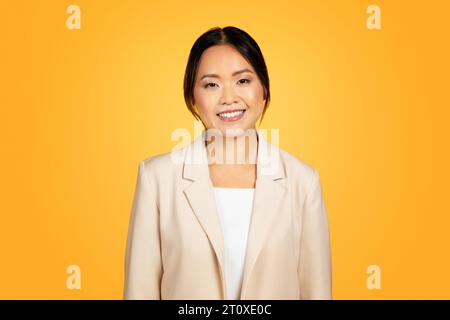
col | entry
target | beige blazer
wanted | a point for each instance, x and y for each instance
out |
(175, 246)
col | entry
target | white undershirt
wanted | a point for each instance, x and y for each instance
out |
(235, 208)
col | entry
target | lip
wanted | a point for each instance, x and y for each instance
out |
(235, 118)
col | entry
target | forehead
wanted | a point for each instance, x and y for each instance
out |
(222, 59)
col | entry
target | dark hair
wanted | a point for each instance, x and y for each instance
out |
(238, 39)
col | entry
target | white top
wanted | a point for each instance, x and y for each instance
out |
(235, 208)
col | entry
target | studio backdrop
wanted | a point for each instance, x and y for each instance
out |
(359, 90)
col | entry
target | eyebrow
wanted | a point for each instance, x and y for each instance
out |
(212, 75)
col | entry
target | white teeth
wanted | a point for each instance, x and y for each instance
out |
(230, 114)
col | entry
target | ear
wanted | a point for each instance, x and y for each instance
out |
(196, 112)
(195, 109)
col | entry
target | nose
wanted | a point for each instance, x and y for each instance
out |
(228, 95)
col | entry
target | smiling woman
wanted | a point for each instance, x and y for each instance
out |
(256, 229)
(226, 83)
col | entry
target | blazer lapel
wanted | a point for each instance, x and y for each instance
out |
(268, 196)
(200, 195)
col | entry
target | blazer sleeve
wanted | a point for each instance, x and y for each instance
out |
(314, 270)
(143, 264)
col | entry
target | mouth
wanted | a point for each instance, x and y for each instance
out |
(231, 115)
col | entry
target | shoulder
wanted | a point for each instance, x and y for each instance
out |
(293, 163)
(158, 162)
(163, 164)
(298, 169)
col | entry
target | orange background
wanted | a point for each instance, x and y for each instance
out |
(81, 108)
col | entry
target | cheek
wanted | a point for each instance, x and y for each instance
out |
(204, 102)
(255, 96)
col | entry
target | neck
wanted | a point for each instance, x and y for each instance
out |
(233, 150)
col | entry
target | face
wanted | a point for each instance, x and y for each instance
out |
(227, 93)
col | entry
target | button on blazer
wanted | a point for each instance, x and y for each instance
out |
(175, 245)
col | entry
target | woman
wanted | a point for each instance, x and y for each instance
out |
(251, 227)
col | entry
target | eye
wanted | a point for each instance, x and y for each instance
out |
(207, 85)
(245, 81)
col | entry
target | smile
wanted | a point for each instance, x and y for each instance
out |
(231, 115)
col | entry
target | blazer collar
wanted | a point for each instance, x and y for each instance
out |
(268, 159)
(270, 192)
